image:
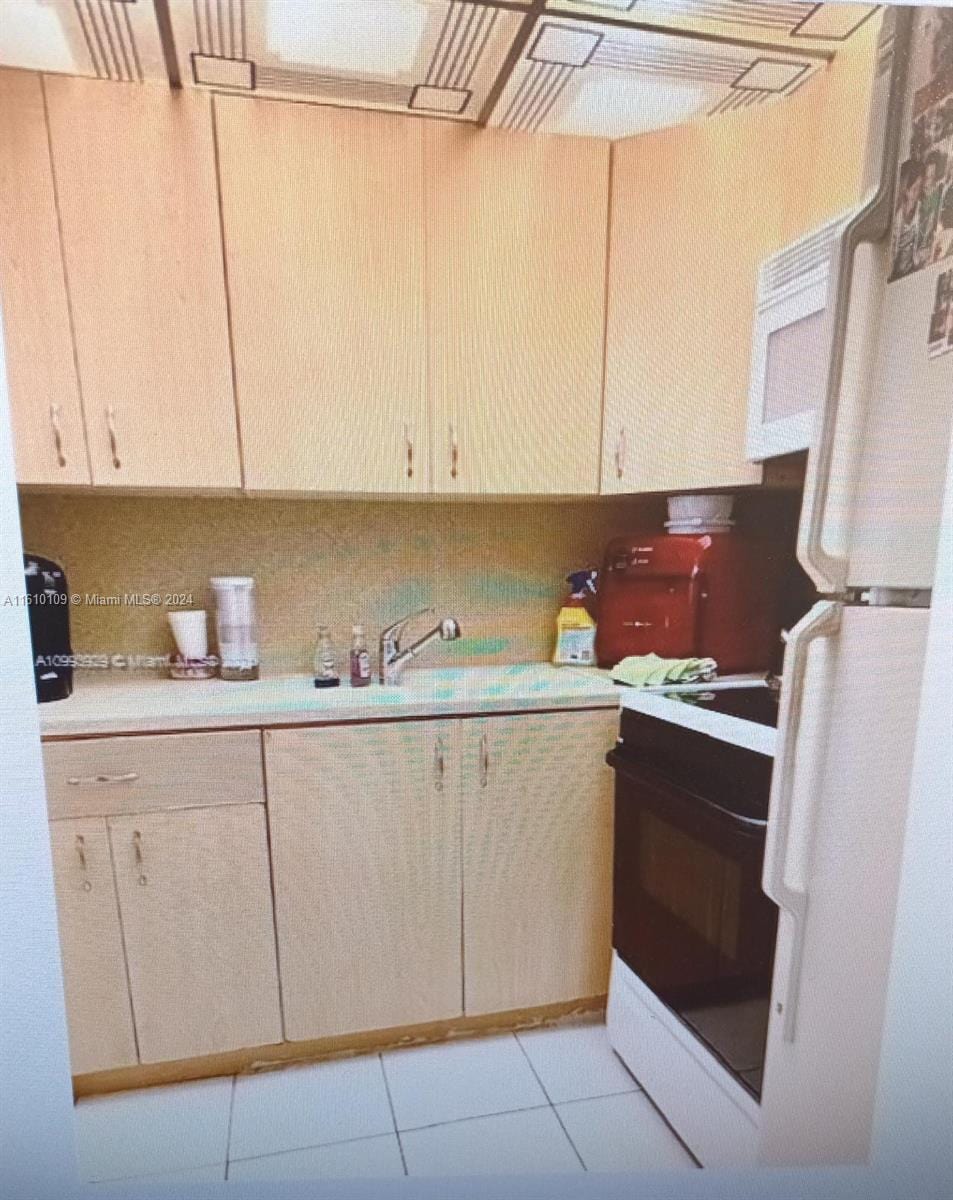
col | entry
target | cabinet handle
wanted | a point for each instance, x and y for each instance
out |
(620, 448)
(454, 453)
(128, 777)
(57, 434)
(484, 761)
(409, 446)
(81, 851)
(439, 765)
(113, 443)
(137, 850)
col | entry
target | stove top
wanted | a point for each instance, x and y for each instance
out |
(758, 704)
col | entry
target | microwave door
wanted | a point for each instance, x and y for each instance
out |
(787, 373)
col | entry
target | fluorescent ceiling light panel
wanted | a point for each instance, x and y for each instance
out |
(614, 106)
(833, 22)
(367, 37)
(770, 75)
(564, 44)
(32, 37)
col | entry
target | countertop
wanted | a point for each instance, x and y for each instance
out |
(160, 705)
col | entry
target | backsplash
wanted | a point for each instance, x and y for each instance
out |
(498, 568)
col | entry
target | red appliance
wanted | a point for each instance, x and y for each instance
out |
(712, 595)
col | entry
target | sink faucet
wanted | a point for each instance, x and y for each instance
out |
(393, 659)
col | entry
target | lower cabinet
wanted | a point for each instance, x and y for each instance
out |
(365, 827)
(167, 934)
(537, 858)
(195, 897)
(384, 836)
(94, 970)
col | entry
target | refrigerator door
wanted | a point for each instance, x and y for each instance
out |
(876, 468)
(832, 861)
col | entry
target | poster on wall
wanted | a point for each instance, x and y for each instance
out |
(923, 220)
(940, 337)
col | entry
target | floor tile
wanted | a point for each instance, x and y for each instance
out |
(367, 1158)
(576, 1062)
(297, 1107)
(154, 1130)
(622, 1133)
(530, 1142)
(430, 1085)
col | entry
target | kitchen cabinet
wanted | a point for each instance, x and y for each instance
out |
(365, 826)
(695, 210)
(324, 241)
(50, 438)
(537, 858)
(195, 900)
(101, 1032)
(516, 260)
(135, 178)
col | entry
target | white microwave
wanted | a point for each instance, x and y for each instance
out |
(790, 354)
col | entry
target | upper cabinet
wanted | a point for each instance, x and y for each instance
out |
(44, 390)
(135, 178)
(695, 210)
(516, 261)
(324, 241)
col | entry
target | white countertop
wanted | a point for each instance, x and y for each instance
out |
(739, 732)
(159, 705)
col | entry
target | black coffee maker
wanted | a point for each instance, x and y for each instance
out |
(48, 604)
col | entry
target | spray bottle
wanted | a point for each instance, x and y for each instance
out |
(575, 627)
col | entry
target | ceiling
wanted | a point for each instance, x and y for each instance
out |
(603, 68)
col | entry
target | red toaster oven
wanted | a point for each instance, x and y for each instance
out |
(712, 595)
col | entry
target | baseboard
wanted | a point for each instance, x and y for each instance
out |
(254, 1059)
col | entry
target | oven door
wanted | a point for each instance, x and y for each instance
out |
(789, 362)
(689, 916)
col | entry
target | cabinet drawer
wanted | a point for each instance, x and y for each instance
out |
(110, 776)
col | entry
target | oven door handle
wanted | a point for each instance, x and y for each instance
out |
(787, 816)
(640, 774)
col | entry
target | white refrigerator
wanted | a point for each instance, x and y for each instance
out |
(854, 664)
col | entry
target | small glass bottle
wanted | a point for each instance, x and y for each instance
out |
(360, 658)
(325, 675)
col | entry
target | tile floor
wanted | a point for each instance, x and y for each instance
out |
(547, 1101)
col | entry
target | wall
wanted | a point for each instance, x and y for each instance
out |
(498, 568)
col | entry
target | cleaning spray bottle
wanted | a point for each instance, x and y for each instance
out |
(575, 627)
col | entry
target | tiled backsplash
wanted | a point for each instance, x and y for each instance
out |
(499, 568)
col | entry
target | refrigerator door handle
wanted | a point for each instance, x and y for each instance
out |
(855, 287)
(780, 861)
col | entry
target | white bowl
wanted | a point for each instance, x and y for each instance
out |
(714, 510)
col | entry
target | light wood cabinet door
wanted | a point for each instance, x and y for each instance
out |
(49, 436)
(537, 858)
(94, 969)
(365, 829)
(324, 239)
(135, 177)
(195, 898)
(516, 287)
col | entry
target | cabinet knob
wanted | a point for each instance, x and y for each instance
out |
(484, 761)
(454, 453)
(620, 448)
(125, 777)
(57, 435)
(439, 764)
(81, 853)
(113, 441)
(409, 447)
(140, 862)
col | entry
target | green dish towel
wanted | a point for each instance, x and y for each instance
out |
(648, 670)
